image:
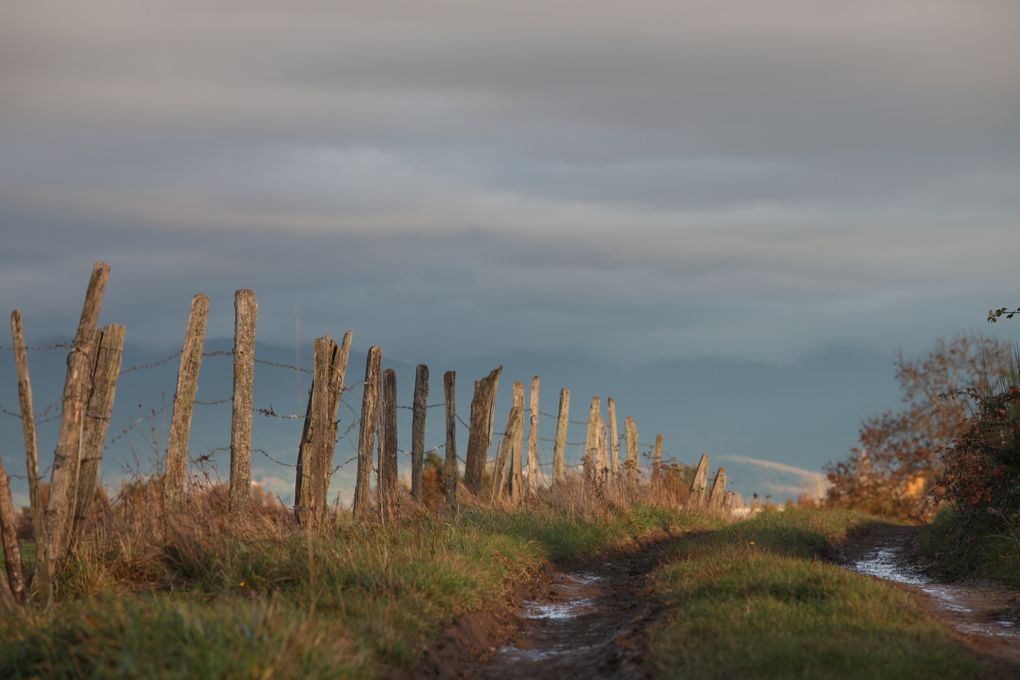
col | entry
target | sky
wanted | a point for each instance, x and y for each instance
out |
(637, 182)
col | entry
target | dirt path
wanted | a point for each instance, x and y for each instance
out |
(576, 623)
(985, 616)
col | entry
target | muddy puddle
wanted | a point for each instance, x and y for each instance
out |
(987, 611)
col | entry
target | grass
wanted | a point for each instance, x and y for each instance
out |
(194, 594)
(759, 599)
(961, 549)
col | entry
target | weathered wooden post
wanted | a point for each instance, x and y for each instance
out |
(517, 484)
(657, 458)
(480, 435)
(184, 398)
(503, 479)
(700, 481)
(560, 442)
(105, 372)
(246, 312)
(318, 438)
(591, 440)
(387, 482)
(366, 435)
(40, 583)
(450, 467)
(420, 411)
(614, 438)
(630, 428)
(64, 478)
(602, 466)
(718, 493)
(9, 531)
(533, 437)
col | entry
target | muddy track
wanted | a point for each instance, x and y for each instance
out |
(586, 621)
(984, 616)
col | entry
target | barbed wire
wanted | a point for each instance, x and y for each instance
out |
(40, 348)
(151, 364)
(213, 402)
(134, 424)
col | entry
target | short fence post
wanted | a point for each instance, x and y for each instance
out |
(450, 467)
(630, 427)
(603, 450)
(63, 480)
(509, 447)
(246, 311)
(614, 438)
(657, 458)
(480, 435)
(532, 438)
(560, 442)
(366, 435)
(700, 481)
(40, 584)
(420, 406)
(718, 493)
(591, 440)
(387, 482)
(184, 398)
(12, 551)
(106, 371)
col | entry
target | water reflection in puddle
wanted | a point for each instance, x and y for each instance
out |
(965, 603)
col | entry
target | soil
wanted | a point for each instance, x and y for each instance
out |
(984, 616)
(581, 621)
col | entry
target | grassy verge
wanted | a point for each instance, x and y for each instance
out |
(971, 549)
(758, 599)
(233, 603)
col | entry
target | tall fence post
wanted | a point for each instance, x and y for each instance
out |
(366, 434)
(591, 440)
(64, 477)
(106, 371)
(480, 435)
(387, 484)
(657, 458)
(40, 583)
(246, 311)
(700, 481)
(560, 442)
(603, 448)
(420, 410)
(630, 427)
(614, 438)
(9, 530)
(184, 398)
(318, 437)
(450, 467)
(503, 479)
(718, 493)
(517, 483)
(533, 437)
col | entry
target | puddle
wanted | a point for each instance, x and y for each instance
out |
(971, 609)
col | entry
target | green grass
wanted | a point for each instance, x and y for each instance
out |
(985, 550)
(351, 605)
(759, 599)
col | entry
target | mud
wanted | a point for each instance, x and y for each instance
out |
(985, 616)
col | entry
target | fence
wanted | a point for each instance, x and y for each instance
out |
(94, 370)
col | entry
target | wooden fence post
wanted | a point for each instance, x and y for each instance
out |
(246, 311)
(603, 438)
(450, 468)
(560, 442)
(387, 483)
(503, 479)
(64, 477)
(657, 459)
(318, 438)
(106, 371)
(184, 398)
(533, 437)
(40, 583)
(700, 481)
(480, 434)
(9, 531)
(420, 411)
(517, 483)
(366, 435)
(630, 427)
(718, 493)
(614, 438)
(591, 440)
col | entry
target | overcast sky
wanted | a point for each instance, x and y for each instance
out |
(639, 181)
